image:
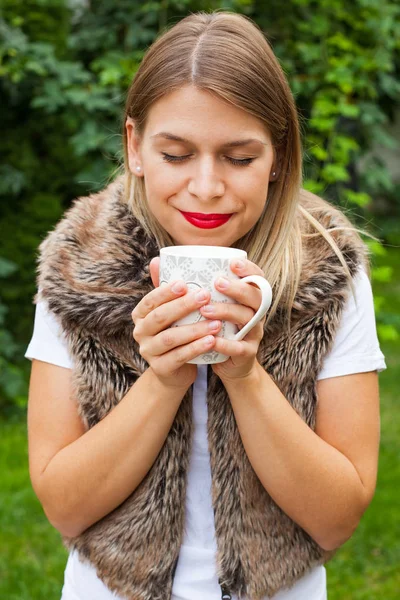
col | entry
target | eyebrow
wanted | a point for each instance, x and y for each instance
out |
(233, 144)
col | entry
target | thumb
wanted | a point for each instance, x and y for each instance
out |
(154, 267)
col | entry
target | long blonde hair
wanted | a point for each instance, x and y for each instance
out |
(227, 54)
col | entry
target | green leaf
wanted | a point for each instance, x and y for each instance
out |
(11, 379)
(382, 274)
(387, 333)
(322, 124)
(332, 173)
(313, 186)
(350, 111)
(7, 267)
(89, 137)
(376, 248)
(358, 198)
(384, 138)
(319, 153)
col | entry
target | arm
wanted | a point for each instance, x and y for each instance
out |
(80, 476)
(324, 480)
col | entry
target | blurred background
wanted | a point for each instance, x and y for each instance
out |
(65, 66)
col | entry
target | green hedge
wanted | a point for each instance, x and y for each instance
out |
(64, 73)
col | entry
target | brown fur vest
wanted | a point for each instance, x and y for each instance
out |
(93, 270)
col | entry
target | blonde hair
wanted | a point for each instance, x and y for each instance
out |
(227, 54)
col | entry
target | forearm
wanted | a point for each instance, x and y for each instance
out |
(312, 482)
(90, 477)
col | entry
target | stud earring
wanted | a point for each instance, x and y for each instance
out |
(273, 173)
(138, 169)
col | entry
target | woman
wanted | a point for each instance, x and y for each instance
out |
(172, 480)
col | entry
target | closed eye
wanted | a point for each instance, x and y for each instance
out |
(171, 158)
(241, 162)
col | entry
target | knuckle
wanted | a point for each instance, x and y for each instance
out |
(241, 350)
(181, 355)
(168, 338)
(189, 301)
(159, 367)
(143, 352)
(148, 303)
(246, 316)
(251, 314)
(137, 331)
(159, 316)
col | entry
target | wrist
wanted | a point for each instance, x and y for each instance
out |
(250, 379)
(169, 385)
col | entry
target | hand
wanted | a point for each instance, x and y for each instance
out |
(242, 361)
(167, 349)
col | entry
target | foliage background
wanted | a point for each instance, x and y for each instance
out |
(65, 67)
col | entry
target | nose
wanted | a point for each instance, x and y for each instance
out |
(206, 181)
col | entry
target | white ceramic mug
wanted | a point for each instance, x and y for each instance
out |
(199, 267)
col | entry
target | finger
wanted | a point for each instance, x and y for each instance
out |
(234, 349)
(243, 267)
(157, 297)
(243, 293)
(169, 362)
(173, 337)
(154, 267)
(164, 315)
(234, 313)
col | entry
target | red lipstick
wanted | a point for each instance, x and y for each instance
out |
(206, 221)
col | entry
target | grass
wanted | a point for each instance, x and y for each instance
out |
(32, 558)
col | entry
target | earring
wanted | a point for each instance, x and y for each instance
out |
(273, 173)
(138, 168)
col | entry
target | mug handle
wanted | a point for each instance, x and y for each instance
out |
(266, 300)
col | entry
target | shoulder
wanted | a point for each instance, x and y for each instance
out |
(356, 346)
(48, 342)
(93, 266)
(94, 235)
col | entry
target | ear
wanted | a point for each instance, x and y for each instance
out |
(133, 147)
(274, 172)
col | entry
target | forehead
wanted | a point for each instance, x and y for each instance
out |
(198, 115)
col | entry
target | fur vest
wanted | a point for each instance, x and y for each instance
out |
(93, 270)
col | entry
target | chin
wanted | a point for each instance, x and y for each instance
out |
(205, 237)
(203, 241)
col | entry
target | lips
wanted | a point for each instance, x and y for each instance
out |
(206, 221)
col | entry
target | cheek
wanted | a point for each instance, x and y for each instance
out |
(161, 181)
(253, 189)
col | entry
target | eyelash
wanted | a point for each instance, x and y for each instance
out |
(240, 162)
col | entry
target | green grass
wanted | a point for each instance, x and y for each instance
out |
(32, 558)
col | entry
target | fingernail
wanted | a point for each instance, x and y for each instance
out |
(201, 296)
(222, 282)
(238, 264)
(178, 287)
(208, 309)
(213, 325)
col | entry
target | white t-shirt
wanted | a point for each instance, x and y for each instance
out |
(356, 349)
